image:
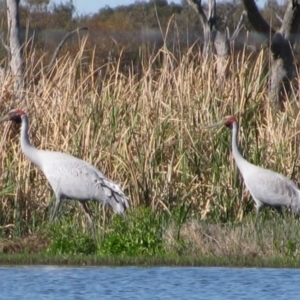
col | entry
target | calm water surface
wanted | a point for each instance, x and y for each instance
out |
(148, 283)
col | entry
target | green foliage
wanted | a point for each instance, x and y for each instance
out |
(180, 216)
(68, 238)
(291, 247)
(139, 233)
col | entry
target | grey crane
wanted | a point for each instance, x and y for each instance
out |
(266, 187)
(70, 177)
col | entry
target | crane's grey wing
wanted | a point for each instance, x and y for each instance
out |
(115, 196)
(271, 188)
(103, 189)
(74, 178)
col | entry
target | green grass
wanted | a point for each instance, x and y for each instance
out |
(149, 261)
(149, 238)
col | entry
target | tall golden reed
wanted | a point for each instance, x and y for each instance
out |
(145, 131)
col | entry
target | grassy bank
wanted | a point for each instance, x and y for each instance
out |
(146, 238)
(145, 131)
(142, 261)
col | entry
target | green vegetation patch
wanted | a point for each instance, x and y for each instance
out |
(139, 233)
(66, 237)
(148, 238)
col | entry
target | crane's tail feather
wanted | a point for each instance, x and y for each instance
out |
(119, 203)
(111, 194)
(117, 200)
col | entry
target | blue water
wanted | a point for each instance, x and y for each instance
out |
(148, 283)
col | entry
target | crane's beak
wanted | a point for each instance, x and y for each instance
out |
(4, 118)
(215, 125)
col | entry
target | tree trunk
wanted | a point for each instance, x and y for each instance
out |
(216, 44)
(16, 60)
(282, 70)
(283, 67)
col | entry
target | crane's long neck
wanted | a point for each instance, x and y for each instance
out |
(30, 152)
(241, 162)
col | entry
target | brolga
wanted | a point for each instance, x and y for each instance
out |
(266, 187)
(70, 177)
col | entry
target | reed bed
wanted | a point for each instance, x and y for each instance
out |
(146, 131)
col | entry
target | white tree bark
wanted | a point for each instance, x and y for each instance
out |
(216, 43)
(15, 47)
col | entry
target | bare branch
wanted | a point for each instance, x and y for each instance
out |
(255, 18)
(212, 12)
(277, 16)
(239, 26)
(282, 67)
(4, 44)
(196, 5)
(67, 36)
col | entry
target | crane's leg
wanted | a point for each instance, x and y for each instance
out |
(256, 220)
(89, 216)
(56, 207)
(258, 209)
(279, 209)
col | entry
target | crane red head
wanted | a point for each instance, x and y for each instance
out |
(13, 115)
(228, 121)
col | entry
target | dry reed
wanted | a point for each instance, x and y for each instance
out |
(146, 132)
